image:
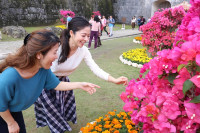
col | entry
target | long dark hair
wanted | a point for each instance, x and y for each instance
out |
(76, 24)
(38, 41)
(96, 18)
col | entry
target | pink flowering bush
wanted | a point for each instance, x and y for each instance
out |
(96, 13)
(167, 98)
(159, 33)
(64, 13)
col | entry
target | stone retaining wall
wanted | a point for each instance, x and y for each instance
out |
(146, 8)
(44, 12)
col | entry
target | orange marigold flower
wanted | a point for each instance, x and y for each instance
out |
(121, 121)
(106, 131)
(123, 113)
(116, 131)
(96, 128)
(107, 122)
(119, 115)
(99, 129)
(106, 119)
(118, 126)
(115, 121)
(112, 129)
(129, 126)
(133, 131)
(107, 126)
(111, 113)
(128, 122)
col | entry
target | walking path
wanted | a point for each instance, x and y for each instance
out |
(12, 46)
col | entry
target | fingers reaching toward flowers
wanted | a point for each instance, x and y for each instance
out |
(122, 80)
(89, 87)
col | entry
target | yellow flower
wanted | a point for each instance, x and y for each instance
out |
(138, 56)
(61, 26)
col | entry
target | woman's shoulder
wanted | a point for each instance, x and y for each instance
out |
(84, 48)
(9, 71)
(9, 74)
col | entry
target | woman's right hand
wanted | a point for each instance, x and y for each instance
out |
(89, 87)
(13, 127)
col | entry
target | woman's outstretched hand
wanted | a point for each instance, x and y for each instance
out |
(89, 87)
(121, 80)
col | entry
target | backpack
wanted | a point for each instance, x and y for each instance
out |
(112, 22)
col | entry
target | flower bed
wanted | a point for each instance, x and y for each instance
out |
(135, 57)
(61, 26)
(137, 39)
(166, 98)
(112, 123)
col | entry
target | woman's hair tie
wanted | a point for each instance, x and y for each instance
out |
(26, 39)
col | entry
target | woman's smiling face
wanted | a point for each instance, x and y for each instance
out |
(46, 60)
(81, 36)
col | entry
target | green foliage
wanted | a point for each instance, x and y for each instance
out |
(195, 99)
(180, 67)
(171, 77)
(106, 8)
(187, 86)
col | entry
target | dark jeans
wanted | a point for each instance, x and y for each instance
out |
(94, 34)
(104, 28)
(18, 117)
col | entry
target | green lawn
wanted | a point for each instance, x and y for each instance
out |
(90, 107)
(30, 29)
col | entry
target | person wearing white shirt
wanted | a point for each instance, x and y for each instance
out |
(133, 21)
(104, 24)
(71, 52)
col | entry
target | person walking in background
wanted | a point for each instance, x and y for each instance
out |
(143, 20)
(104, 24)
(71, 53)
(133, 21)
(111, 25)
(95, 31)
(25, 74)
(68, 19)
(139, 22)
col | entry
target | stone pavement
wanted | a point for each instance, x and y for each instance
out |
(12, 46)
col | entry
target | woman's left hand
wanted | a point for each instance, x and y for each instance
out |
(121, 80)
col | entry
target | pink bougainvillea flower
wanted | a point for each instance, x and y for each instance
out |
(196, 80)
(161, 104)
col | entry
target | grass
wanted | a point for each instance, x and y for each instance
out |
(90, 107)
(28, 30)
(31, 29)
